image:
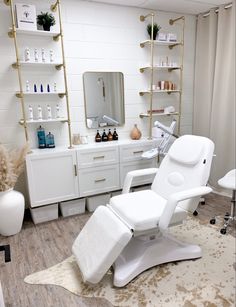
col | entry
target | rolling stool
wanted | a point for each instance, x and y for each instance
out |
(228, 182)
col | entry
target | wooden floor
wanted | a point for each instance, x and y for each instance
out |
(38, 247)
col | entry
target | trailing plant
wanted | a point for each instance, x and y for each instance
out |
(11, 166)
(156, 29)
(46, 20)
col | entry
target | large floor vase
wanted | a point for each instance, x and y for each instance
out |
(12, 206)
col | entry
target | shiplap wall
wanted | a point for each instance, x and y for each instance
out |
(98, 37)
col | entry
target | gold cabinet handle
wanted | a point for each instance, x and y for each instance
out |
(138, 152)
(98, 157)
(100, 180)
(75, 170)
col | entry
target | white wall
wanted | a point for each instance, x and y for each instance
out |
(97, 37)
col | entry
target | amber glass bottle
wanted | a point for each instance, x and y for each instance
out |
(110, 136)
(115, 135)
(104, 136)
(98, 137)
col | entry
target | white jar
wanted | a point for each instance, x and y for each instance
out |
(12, 207)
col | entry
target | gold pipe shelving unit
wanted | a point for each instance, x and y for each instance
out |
(155, 68)
(13, 33)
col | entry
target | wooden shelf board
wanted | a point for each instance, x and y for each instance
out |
(54, 120)
(37, 32)
(142, 115)
(159, 91)
(160, 43)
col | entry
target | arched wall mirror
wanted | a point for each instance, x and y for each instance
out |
(104, 99)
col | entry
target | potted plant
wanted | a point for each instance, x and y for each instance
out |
(46, 20)
(12, 203)
(156, 29)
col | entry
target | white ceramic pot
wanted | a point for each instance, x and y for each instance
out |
(12, 207)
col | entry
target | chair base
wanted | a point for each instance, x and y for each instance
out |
(144, 252)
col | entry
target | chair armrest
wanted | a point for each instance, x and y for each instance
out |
(173, 200)
(137, 173)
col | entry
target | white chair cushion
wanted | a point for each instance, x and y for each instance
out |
(142, 209)
(187, 150)
(229, 180)
(99, 244)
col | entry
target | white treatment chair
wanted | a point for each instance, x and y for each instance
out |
(131, 232)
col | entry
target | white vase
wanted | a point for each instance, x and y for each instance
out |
(12, 207)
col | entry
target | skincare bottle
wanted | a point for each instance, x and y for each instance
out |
(27, 87)
(27, 54)
(50, 140)
(110, 136)
(43, 55)
(115, 135)
(57, 111)
(104, 136)
(48, 88)
(49, 111)
(35, 88)
(41, 88)
(98, 137)
(36, 55)
(31, 116)
(40, 114)
(51, 55)
(41, 137)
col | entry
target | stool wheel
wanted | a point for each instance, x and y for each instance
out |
(195, 213)
(223, 231)
(226, 217)
(212, 221)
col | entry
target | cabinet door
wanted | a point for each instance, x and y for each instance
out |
(51, 177)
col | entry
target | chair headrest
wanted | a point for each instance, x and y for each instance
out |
(187, 149)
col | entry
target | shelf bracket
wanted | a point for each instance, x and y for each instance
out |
(54, 7)
(142, 17)
(174, 45)
(58, 67)
(7, 2)
(56, 37)
(61, 95)
(19, 95)
(21, 122)
(15, 65)
(172, 21)
(11, 34)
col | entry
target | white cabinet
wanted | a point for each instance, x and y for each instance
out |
(52, 176)
(56, 175)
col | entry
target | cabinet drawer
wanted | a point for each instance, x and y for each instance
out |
(134, 152)
(128, 167)
(98, 180)
(97, 157)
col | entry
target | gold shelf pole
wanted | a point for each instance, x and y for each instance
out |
(142, 18)
(54, 7)
(151, 79)
(10, 2)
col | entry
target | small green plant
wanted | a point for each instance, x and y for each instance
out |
(156, 29)
(46, 20)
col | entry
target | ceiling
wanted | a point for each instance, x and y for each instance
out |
(178, 6)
